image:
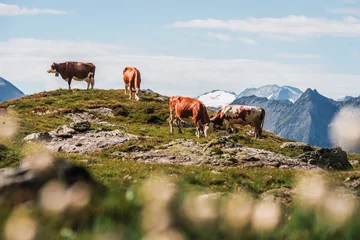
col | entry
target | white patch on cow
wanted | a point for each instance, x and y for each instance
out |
(66, 79)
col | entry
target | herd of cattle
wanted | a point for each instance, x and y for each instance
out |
(180, 106)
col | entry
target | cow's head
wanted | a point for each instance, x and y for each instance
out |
(217, 120)
(208, 128)
(54, 69)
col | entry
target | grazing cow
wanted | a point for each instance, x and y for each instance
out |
(79, 71)
(184, 107)
(3, 111)
(239, 114)
(132, 80)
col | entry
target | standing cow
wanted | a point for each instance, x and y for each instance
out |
(79, 71)
(132, 80)
(184, 107)
(239, 114)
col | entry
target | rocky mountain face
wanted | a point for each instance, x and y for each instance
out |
(8, 90)
(273, 92)
(306, 120)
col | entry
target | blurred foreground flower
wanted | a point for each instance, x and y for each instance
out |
(55, 197)
(201, 209)
(339, 207)
(344, 129)
(237, 210)
(37, 156)
(8, 126)
(20, 225)
(156, 193)
(169, 234)
(266, 216)
(311, 190)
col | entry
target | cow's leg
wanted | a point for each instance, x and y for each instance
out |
(88, 84)
(257, 131)
(126, 88)
(178, 122)
(227, 125)
(92, 82)
(137, 94)
(69, 83)
(171, 121)
(233, 128)
(198, 128)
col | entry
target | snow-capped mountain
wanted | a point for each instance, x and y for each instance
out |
(215, 99)
(273, 92)
(345, 98)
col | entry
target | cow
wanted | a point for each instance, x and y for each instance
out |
(3, 111)
(185, 107)
(239, 114)
(132, 80)
(79, 71)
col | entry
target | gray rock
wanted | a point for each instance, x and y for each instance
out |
(89, 142)
(81, 126)
(297, 145)
(106, 112)
(106, 124)
(42, 136)
(327, 158)
(64, 132)
(82, 116)
(186, 152)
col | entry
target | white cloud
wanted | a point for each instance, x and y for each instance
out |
(297, 56)
(289, 27)
(220, 36)
(15, 10)
(350, 11)
(24, 62)
(227, 38)
(247, 41)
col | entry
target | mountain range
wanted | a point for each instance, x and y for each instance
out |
(215, 99)
(291, 113)
(8, 90)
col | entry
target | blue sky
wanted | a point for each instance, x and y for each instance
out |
(186, 47)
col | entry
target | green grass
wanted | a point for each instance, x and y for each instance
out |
(147, 119)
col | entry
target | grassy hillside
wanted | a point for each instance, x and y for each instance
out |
(148, 119)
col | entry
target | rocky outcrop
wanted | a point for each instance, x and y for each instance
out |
(327, 158)
(68, 140)
(219, 152)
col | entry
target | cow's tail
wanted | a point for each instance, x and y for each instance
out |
(262, 117)
(132, 81)
(137, 79)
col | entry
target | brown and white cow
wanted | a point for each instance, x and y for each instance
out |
(132, 80)
(185, 107)
(239, 114)
(79, 71)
